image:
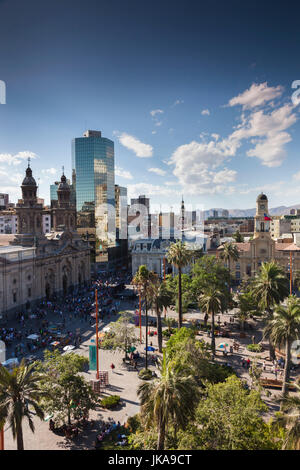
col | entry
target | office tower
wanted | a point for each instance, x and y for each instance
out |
(3, 201)
(94, 180)
(121, 212)
(139, 217)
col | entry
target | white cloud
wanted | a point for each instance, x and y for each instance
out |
(16, 159)
(256, 95)
(205, 112)
(49, 171)
(133, 143)
(154, 132)
(177, 102)
(134, 190)
(267, 131)
(154, 112)
(158, 123)
(123, 173)
(199, 166)
(157, 171)
(296, 176)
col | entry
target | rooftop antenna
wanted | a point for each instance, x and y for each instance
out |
(28, 159)
(63, 170)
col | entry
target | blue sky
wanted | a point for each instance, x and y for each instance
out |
(196, 95)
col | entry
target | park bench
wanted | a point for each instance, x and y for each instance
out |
(274, 383)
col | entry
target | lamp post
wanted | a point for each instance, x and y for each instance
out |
(291, 274)
(140, 316)
(97, 341)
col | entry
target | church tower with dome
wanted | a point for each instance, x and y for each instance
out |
(63, 212)
(28, 210)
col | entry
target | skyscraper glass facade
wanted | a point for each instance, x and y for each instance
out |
(94, 181)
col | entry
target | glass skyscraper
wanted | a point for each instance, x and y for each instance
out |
(94, 182)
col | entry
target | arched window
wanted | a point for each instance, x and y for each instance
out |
(262, 226)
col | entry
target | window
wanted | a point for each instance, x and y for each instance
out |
(29, 292)
(14, 297)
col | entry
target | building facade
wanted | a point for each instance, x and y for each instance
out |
(263, 248)
(34, 265)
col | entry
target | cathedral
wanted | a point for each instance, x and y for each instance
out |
(34, 265)
(262, 247)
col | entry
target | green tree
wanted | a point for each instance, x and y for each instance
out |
(283, 329)
(67, 395)
(211, 301)
(228, 253)
(160, 297)
(142, 281)
(290, 418)
(248, 306)
(20, 392)
(270, 287)
(122, 334)
(207, 272)
(170, 398)
(228, 417)
(238, 237)
(179, 256)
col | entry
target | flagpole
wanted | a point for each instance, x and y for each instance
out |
(291, 274)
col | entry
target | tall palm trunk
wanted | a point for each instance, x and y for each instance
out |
(159, 328)
(271, 346)
(179, 299)
(146, 309)
(286, 373)
(161, 434)
(213, 340)
(229, 274)
(20, 442)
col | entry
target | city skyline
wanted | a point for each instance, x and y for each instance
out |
(185, 115)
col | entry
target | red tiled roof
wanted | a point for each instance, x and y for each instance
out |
(286, 247)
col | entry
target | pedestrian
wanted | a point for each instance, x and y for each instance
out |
(112, 366)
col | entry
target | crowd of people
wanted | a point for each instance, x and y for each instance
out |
(64, 312)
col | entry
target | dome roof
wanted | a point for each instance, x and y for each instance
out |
(63, 185)
(29, 179)
(261, 197)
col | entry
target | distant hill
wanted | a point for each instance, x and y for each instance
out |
(280, 210)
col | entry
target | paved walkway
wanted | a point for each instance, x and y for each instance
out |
(124, 381)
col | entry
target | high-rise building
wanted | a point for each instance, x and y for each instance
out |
(4, 199)
(94, 180)
(121, 212)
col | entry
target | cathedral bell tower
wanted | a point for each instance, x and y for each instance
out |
(28, 210)
(262, 219)
(63, 212)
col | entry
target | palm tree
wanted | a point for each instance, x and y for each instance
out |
(283, 329)
(179, 256)
(20, 390)
(270, 287)
(142, 280)
(212, 301)
(290, 406)
(247, 304)
(160, 298)
(170, 398)
(229, 252)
